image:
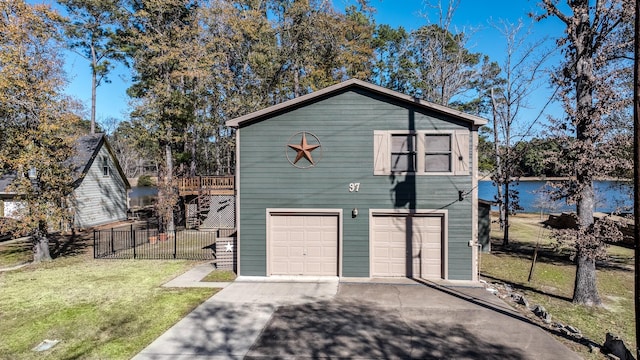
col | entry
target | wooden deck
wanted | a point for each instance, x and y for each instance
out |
(206, 185)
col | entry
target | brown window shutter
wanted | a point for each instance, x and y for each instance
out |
(381, 154)
(461, 152)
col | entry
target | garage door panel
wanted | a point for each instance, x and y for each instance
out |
(312, 243)
(295, 268)
(389, 246)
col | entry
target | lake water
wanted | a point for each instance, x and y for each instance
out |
(610, 196)
(142, 196)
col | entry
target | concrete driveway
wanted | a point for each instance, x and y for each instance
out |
(402, 320)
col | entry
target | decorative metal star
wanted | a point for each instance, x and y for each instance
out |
(304, 149)
(228, 247)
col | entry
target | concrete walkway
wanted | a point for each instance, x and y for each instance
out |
(192, 278)
(293, 317)
(227, 325)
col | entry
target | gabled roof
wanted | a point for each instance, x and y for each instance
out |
(87, 148)
(6, 180)
(349, 84)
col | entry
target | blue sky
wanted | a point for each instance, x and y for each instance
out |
(112, 101)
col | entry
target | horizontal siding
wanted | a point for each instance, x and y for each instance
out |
(344, 124)
(99, 199)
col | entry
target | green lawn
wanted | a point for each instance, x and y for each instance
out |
(552, 282)
(99, 309)
(220, 276)
(12, 253)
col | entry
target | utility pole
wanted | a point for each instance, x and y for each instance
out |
(636, 171)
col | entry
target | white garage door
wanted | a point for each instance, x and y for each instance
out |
(390, 253)
(303, 245)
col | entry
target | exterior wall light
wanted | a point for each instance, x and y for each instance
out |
(354, 212)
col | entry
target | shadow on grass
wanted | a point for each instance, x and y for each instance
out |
(527, 288)
(550, 255)
(66, 245)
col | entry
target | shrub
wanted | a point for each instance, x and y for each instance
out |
(145, 180)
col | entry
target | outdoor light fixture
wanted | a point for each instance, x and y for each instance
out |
(354, 212)
(460, 195)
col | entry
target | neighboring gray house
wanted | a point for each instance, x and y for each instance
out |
(7, 204)
(100, 193)
(355, 180)
(100, 186)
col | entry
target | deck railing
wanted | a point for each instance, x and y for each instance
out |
(206, 185)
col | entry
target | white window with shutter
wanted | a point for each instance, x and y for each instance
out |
(422, 152)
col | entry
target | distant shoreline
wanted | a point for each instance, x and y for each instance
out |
(534, 178)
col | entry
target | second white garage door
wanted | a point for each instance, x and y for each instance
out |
(390, 255)
(303, 245)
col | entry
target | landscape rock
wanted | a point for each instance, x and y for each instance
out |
(519, 299)
(542, 313)
(505, 291)
(572, 329)
(492, 290)
(45, 345)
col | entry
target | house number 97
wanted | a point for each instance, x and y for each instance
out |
(354, 187)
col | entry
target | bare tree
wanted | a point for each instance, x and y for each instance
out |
(521, 72)
(444, 66)
(592, 80)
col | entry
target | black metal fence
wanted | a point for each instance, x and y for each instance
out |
(146, 242)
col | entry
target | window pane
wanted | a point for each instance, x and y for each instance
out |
(402, 143)
(402, 162)
(438, 143)
(437, 163)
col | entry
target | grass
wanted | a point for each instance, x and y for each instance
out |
(220, 276)
(552, 282)
(190, 244)
(15, 253)
(99, 309)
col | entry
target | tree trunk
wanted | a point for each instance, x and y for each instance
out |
(41, 244)
(296, 83)
(218, 155)
(585, 291)
(505, 239)
(499, 171)
(194, 152)
(169, 182)
(585, 288)
(94, 86)
(507, 169)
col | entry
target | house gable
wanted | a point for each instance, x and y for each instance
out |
(354, 85)
(87, 149)
(100, 194)
(96, 199)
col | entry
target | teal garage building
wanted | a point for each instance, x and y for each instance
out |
(355, 180)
